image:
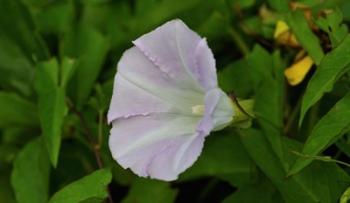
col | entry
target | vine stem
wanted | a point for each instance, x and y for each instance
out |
(237, 39)
(100, 122)
(293, 116)
(94, 146)
(321, 158)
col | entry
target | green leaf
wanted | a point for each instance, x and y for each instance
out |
(161, 11)
(268, 162)
(262, 192)
(346, 196)
(68, 67)
(268, 105)
(230, 79)
(326, 132)
(24, 33)
(332, 24)
(242, 4)
(260, 63)
(260, 151)
(150, 191)
(331, 67)
(7, 152)
(30, 175)
(82, 44)
(54, 17)
(17, 111)
(234, 164)
(264, 26)
(16, 70)
(263, 74)
(52, 106)
(320, 182)
(281, 5)
(6, 193)
(300, 27)
(216, 21)
(255, 67)
(91, 186)
(343, 147)
(268, 109)
(144, 16)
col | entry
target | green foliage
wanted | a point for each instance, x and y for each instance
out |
(30, 175)
(20, 46)
(281, 6)
(6, 193)
(52, 104)
(150, 191)
(262, 191)
(54, 17)
(91, 186)
(24, 34)
(300, 187)
(57, 65)
(89, 61)
(335, 123)
(333, 65)
(346, 196)
(268, 105)
(299, 25)
(256, 67)
(332, 24)
(18, 111)
(234, 164)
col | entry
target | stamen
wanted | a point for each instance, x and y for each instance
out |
(198, 110)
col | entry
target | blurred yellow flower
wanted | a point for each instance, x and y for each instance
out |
(283, 35)
(297, 71)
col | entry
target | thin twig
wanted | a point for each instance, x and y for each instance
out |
(100, 122)
(321, 158)
(293, 116)
(237, 39)
(234, 98)
(94, 146)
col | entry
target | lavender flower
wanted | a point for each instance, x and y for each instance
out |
(165, 102)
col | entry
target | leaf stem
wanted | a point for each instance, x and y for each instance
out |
(94, 146)
(321, 158)
(100, 130)
(237, 39)
(313, 118)
(293, 116)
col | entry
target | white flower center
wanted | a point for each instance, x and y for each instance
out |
(198, 110)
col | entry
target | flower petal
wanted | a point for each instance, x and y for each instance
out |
(140, 88)
(224, 112)
(206, 66)
(296, 73)
(154, 145)
(165, 102)
(218, 111)
(173, 47)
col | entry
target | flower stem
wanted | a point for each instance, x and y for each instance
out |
(313, 118)
(237, 39)
(95, 147)
(100, 130)
(243, 112)
(293, 116)
(321, 158)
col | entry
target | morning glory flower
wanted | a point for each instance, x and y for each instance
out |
(165, 101)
